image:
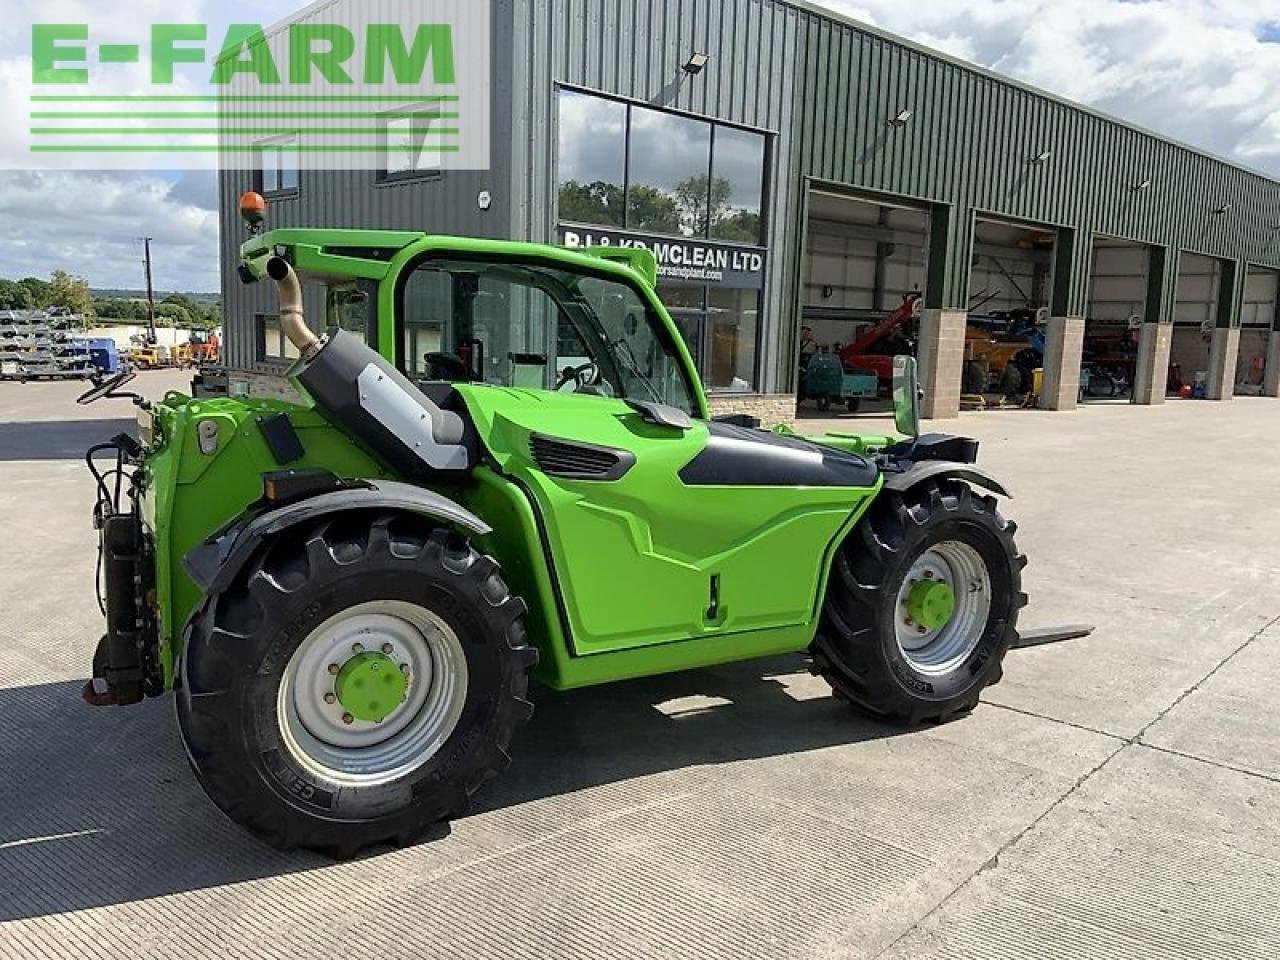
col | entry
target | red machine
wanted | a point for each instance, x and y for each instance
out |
(874, 350)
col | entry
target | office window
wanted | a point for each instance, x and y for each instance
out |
(593, 159)
(272, 345)
(413, 142)
(278, 166)
(654, 171)
(737, 185)
(669, 162)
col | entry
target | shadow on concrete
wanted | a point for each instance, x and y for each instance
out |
(57, 439)
(101, 808)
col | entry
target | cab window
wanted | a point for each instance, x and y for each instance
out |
(528, 325)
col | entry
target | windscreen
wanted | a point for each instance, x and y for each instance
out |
(535, 326)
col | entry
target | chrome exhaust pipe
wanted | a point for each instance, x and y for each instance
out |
(293, 320)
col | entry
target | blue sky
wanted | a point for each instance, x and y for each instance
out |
(1203, 71)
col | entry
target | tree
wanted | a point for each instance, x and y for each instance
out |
(38, 289)
(652, 209)
(14, 296)
(65, 290)
(597, 202)
(172, 315)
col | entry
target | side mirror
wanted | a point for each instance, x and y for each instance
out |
(906, 396)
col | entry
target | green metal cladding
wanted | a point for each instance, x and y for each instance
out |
(829, 88)
(826, 89)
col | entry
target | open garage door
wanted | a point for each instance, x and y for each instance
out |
(865, 268)
(1010, 286)
(1195, 314)
(1118, 280)
(1258, 316)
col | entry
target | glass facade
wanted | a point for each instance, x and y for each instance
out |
(632, 168)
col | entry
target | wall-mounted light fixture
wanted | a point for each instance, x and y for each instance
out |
(902, 117)
(1144, 185)
(1043, 156)
(1225, 208)
(693, 66)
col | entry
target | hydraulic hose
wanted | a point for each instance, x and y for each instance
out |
(293, 320)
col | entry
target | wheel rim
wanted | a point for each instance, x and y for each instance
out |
(942, 607)
(373, 692)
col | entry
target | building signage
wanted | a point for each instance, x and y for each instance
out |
(681, 260)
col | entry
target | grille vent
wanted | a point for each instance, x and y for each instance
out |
(578, 461)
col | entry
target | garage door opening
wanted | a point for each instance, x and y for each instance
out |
(1118, 279)
(1195, 315)
(865, 268)
(1010, 286)
(1258, 315)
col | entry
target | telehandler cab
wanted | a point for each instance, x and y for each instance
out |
(502, 466)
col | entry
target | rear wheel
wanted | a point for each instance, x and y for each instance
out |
(922, 605)
(361, 681)
(852, 404)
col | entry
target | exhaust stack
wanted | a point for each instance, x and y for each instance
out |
(293, 320)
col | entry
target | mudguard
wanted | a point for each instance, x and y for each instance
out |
(936, 469)
(216, 562)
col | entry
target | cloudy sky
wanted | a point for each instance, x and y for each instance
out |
(1204, 71)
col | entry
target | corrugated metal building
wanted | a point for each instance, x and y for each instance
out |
(813, 172)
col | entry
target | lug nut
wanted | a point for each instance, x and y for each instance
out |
(333, 669)
(329, 698)
(348, 718)
(921, 630)
(910, 622)
(387, 648)
(357, 648)
(404, 668)
(928, 574)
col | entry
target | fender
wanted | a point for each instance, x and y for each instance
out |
(917, 473)
(216, 562)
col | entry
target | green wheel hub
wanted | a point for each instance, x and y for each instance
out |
(931, 604)
(370, 686)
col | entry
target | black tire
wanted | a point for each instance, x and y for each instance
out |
(239, 643)
(856, 649)
(824, 404)
(852, 404)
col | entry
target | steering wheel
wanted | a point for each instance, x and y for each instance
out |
(583, 375)
(105, 388)
(448, 367)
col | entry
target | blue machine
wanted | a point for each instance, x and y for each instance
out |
(105, 354)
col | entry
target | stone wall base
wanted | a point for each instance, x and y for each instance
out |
(1271, 377)
(269, 386)
(1152, 375)
(1222, 363)
(1063, 347)
(941, 362)
(769, 408)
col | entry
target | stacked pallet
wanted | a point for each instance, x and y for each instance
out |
(40, 344)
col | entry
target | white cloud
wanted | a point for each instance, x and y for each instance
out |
(1191, 69)
(1194, 70)
(91, 224)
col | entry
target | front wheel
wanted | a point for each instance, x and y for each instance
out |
(358, 683)
(922, 604)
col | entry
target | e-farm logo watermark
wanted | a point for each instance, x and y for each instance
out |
(398, 86)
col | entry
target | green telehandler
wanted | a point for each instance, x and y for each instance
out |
(502, 466)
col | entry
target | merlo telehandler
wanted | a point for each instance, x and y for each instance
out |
(501, 466)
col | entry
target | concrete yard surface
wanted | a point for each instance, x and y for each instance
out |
(1117, 796)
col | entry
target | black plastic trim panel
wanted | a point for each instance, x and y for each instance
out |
(740, 457)
(575, 460)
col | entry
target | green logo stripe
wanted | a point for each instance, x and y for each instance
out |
(252, 115)
(236, 131)
(244, 98)
(215, 148)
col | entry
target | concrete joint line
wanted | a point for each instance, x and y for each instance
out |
(1123, 744)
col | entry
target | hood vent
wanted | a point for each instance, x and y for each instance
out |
(579, 461)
